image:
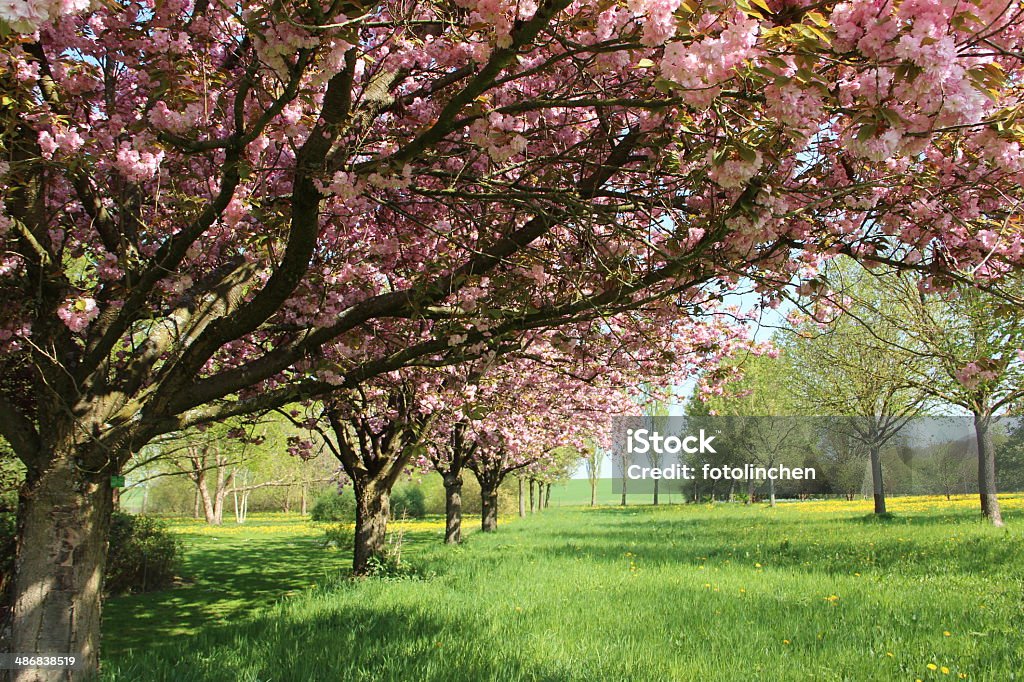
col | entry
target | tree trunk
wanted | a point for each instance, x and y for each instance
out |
(452, 509)
(547, 496)
(540, 495)
(593, 492)
(750, 492)
(303, 500)
(987, 488)
(372, 511)
(877, 485)
(489, 507)
(531, 495)
(732, 489)
(771, 491)
(655, 492)
(522, 499)
(63, 521)
(210, 511)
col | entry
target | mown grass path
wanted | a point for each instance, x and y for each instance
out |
(806, 591)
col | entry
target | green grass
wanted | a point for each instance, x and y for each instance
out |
(810, 591)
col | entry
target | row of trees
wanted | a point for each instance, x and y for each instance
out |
(884, 349)
(212, 211)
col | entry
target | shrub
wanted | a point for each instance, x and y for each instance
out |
(408, 501)
(143, 554)
(334, 507)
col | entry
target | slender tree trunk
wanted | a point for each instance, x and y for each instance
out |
(210, 510)
(547, 496)
(622, 502)
(771, 491)
(732, 489)
(372, 511)
(488, 507)
(987, 488)
(452, 509)
(522, 498)
(877, 485)
(750, 492)
(63, 521)
(303, 500)
(593, 492)
(655, 492)
(195, 504)
(531, 495)
(540, 495)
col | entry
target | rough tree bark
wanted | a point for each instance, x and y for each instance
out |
(373, 499)
(453, 509)
(64, 516)
(488, 507)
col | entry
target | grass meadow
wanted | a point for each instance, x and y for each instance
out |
(804, 591)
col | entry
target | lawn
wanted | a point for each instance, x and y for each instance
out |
(805, 591)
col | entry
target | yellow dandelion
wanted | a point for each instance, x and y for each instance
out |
(890, 654)
(932, 666)
(947, 633)
(785, 641)
(945, 670)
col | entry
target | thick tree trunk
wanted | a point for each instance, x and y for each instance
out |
(372, 511)
(522, 499)
(452, 509)
(488, 508)
(877, 485)
(63, 521)
(987, 488)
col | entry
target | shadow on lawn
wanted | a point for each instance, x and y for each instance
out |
(820, 546)
(341, 642)
(221, 579)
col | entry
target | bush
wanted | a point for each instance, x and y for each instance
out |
(334, 507)
(409, 501)
(143, 554)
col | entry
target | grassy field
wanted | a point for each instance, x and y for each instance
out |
(806, 591)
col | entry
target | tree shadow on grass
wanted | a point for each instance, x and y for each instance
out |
(816, 545)
(221, 582)
(336, 640)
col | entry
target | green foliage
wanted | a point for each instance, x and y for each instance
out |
(333, 507)
(408, 500)
(143, 554)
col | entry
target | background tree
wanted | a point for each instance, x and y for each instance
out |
(857, 368)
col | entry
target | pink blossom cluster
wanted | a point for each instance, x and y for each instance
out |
(78, 313)
(26, 16)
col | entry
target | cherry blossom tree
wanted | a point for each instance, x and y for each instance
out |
(213, 210)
